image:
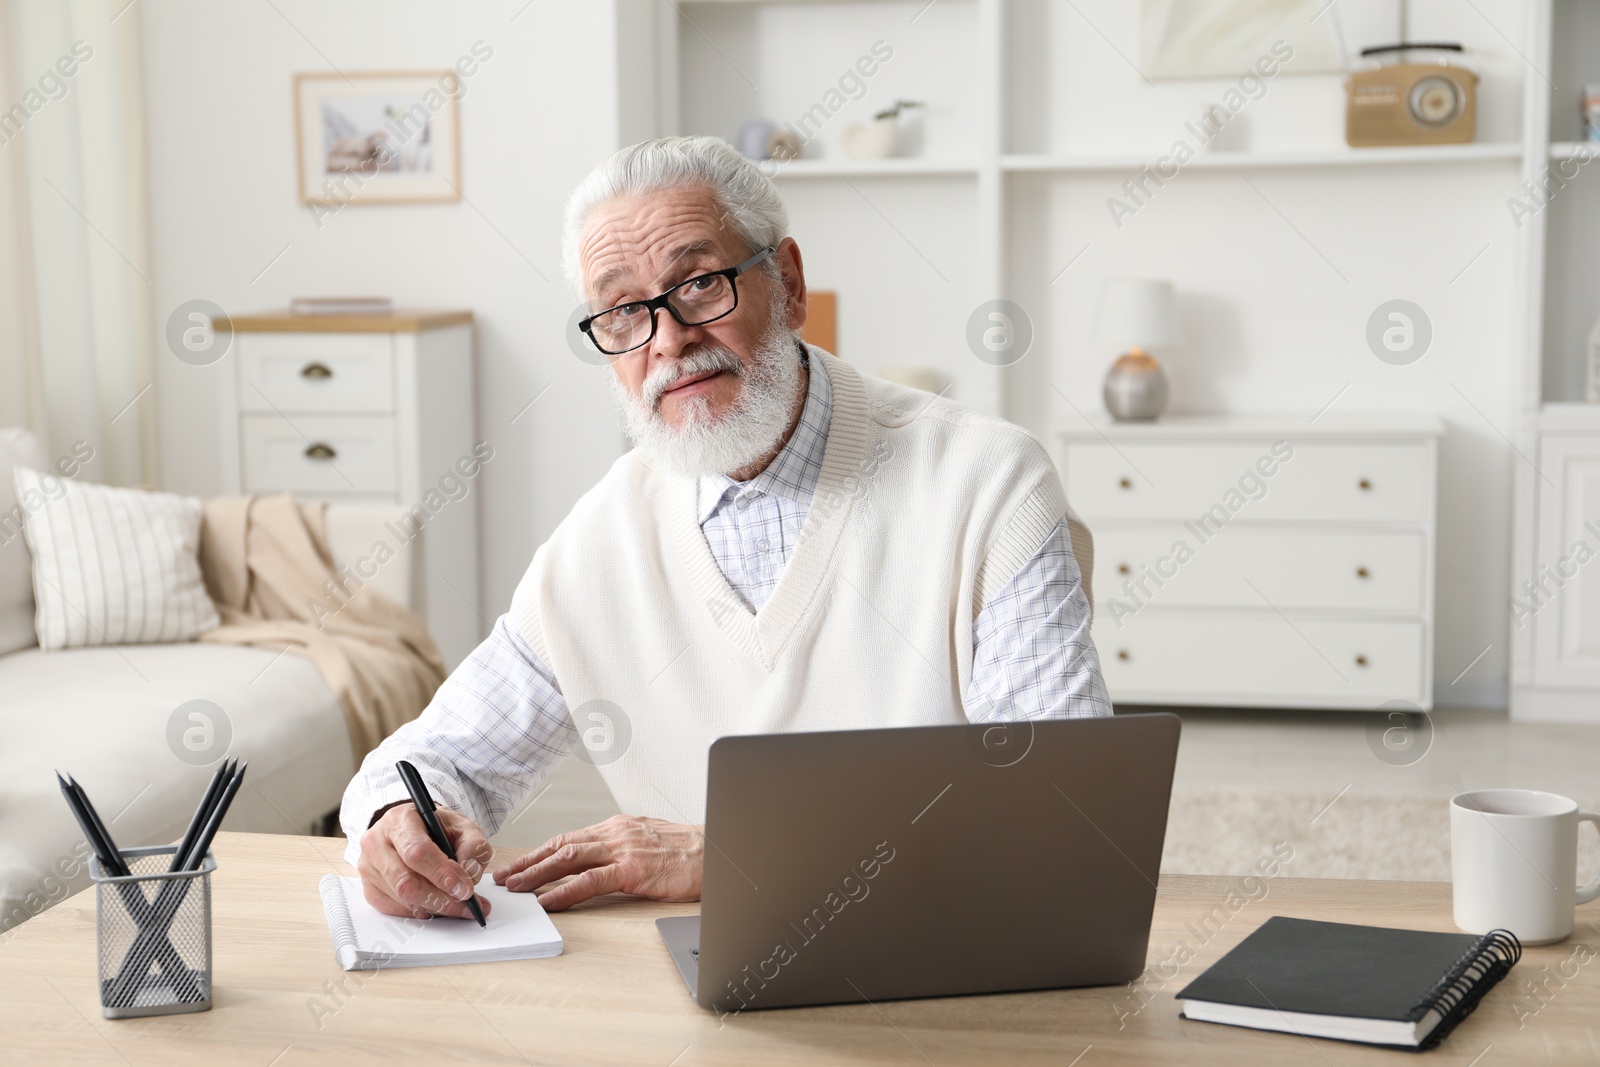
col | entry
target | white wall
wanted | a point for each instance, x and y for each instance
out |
(535, 118)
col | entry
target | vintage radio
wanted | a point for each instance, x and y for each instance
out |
(1411, 103)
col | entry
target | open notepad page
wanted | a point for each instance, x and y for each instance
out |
(366, 939)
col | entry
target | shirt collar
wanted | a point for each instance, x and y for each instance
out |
(793, 473)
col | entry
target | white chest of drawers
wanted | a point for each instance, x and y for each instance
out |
(1261, 561)
(375, 408)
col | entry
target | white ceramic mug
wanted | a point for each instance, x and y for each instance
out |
(1514, 863)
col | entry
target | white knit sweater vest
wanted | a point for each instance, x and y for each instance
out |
(923, 510)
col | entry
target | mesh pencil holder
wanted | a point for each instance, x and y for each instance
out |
(153, 935)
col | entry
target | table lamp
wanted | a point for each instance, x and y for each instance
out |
(1141, 313)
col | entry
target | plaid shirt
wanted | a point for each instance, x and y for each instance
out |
(499, 722)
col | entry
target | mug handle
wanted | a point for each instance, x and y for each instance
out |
(1592, 890)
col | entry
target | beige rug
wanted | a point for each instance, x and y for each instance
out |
(1220, 831)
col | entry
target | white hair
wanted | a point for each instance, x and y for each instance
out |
(747, 198)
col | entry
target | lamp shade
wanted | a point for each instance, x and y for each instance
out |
(1138, 312)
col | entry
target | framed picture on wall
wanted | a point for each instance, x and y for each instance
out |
(382, 137)
(1224, 38)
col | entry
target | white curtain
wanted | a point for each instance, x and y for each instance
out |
(75, 297)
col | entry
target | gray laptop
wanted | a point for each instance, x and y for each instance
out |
(927, 861)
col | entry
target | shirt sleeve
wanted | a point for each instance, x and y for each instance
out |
(1032, 654)
(489, 736)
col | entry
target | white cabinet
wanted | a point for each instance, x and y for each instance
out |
(1261, 562)
(1561, 601)
(375, 408)
(333, 372)
(319, 455)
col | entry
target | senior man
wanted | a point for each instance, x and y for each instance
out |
(789, 546)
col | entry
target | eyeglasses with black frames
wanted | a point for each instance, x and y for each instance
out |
(692, 302)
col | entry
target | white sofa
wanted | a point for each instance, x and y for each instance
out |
(101, 714)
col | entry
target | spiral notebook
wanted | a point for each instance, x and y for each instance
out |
(366, 939)
(1405, 988)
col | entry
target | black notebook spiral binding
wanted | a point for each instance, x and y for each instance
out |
(1477, 972)
(1402, 988)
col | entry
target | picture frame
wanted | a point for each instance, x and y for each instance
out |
(389, 137)
(1186, 39)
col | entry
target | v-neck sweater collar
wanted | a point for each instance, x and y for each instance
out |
(762, 635)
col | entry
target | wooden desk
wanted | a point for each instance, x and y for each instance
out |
(615, 997)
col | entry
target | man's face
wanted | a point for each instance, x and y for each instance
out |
(636, 247)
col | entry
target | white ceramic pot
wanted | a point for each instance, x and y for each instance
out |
(878, 139)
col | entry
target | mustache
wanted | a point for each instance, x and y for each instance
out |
(704, 361)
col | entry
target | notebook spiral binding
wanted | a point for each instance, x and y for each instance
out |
(338, 912)
(1477, 972)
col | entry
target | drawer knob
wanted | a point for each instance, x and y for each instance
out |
(1126, 483)
(1361, 661)
(1361, 572)
(1123, 568)
(1365, 483)
(320, 451)
(316, 371)
(1122, 654)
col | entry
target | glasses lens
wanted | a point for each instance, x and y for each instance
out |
(621, 329)
(703, 299)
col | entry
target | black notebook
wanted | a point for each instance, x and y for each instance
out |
(1353, 983)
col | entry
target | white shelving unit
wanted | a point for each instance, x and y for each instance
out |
(685, 60)
(1554, 601)
(1570, 149)
(884, 168)
(996, 204)
(1338, 157)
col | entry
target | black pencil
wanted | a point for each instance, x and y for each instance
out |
(198, 848)
(105, 851)
(202, 812)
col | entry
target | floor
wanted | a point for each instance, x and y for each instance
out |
(1354, 795)
(1314, 751)
(1358, 795)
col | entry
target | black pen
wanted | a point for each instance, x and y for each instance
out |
(424, 802)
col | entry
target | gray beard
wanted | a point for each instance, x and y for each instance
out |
(707, 443)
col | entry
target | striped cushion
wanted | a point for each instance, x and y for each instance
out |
(112, 566)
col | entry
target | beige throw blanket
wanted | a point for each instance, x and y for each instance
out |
(268, 567)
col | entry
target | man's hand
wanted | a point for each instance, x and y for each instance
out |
(625, 854)
(404, 873)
